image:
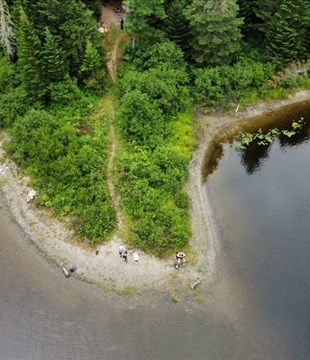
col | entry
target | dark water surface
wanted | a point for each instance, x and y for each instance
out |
(261, 200)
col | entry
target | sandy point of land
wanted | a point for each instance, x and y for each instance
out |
(53, 238)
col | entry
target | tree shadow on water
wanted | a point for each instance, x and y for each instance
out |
(253, 156)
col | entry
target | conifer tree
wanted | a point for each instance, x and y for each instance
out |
(215, 30)
(29, 58)
(53, 58)
(91, 65)
(248, 14)
(177, 25)
(286, 29)
(70, 22)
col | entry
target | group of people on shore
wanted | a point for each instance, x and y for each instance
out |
(123, 253)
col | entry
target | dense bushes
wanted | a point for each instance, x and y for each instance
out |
(68, 168)
(218, 86)
(151, 187)
(151, 94)
(13, 98)
(152, 120)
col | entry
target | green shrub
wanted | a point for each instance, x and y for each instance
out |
(8, 76)
(167, 89)
(65, 92)
(214, 87)
(68, 169)
(150, 183)
(140, 119)
(164, 55)
(13, 104)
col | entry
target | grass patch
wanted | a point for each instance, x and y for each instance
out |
(127, 291)
(182, 139)
(175, 298)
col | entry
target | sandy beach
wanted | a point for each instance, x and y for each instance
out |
(58, 243)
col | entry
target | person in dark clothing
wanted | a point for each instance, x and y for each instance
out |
(125, 255)
(73, 268)
(122, 24)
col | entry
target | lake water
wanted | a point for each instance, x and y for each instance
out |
(261, 202)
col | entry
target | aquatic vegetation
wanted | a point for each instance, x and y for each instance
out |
(261, 138)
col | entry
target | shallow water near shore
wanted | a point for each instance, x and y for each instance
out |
(261, 202)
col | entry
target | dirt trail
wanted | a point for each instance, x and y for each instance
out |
(114, 38)
(108, 110)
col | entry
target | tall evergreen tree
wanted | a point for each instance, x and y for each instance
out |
(286, 29)
(215, 30)
(177, 25)
(68, 21)
(29, 58)
(250, 19)
(91, 65)
(53, 58)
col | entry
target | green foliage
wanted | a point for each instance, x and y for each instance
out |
(285, 26)
(165, 55)
(143, 15)
(182, 137)
(94, 7)
(165, 88)
(55, 65)
(220, 85)
(215, 30)
(68, 168)
(267, 138)
(57, 38)
(13, 104)
(153, 120)
(91, 67)
(8, 77)
(150, 184)
(151, 97)
(14, 101)
(29, 54)
(141, 120)
(176, 24)
(65, 92)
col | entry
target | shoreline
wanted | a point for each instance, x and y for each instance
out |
(57, 243)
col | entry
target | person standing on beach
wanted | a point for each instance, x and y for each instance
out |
(121, 250)
(180, 258)
(125, 256)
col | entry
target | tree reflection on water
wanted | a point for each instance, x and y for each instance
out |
(253, 155)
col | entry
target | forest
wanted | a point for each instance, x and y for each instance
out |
(179, 56)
